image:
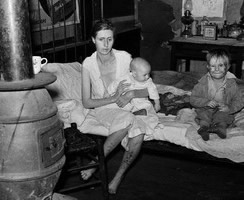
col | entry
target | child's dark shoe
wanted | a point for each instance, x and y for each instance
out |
(221, 132)
(219, 129)
(203, 132)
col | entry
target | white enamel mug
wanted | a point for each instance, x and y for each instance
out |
(38, 63)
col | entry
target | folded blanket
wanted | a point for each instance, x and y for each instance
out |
(172, 104)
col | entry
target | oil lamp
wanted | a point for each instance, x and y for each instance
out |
(187, 19)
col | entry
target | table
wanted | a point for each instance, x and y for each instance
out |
(196, 48)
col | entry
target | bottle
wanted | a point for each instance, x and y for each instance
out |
(220, 30)
(204, 21)
(199, 29)
(194, 27)
(225, 29)
(217, 31)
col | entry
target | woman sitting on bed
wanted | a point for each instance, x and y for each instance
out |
(216, 97)
(99, 70)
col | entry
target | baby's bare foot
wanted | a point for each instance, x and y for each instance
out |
(86, 174)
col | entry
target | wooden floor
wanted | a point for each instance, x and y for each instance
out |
(159, 177)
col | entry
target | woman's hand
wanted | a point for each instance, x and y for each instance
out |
(212, 104)
(122, 87)
(125, 98)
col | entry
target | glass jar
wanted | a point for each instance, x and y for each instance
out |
(194, 27)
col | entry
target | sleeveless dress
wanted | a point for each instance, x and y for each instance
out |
(110, 116)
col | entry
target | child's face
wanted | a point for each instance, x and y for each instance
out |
(142, 74)
(217, 68)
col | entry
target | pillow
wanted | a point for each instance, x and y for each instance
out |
(68, 83)
(66, 92)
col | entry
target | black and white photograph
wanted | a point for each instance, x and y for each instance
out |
(121, 99)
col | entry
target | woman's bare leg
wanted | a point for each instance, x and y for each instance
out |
(129, 156)
(111, 142)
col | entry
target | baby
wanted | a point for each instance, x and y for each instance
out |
(139, 78)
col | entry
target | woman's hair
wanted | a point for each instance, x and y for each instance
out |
(219, 53)
(103, 24)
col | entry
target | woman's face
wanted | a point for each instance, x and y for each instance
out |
(104, 41)
(217, 68)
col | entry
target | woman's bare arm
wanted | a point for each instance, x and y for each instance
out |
(128, 96)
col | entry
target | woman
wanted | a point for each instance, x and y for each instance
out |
(99, 70)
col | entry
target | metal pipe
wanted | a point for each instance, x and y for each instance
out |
(15, 39)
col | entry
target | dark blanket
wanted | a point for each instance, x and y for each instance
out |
(171, 104)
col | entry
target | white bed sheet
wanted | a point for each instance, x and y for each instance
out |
(180, 129)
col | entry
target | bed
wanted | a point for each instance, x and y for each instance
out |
(177, 133)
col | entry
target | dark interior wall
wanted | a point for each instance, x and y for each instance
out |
(118, 8)
(155, 17)
(160, 56)
(129, 41)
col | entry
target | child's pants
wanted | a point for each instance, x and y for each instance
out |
(208, 116)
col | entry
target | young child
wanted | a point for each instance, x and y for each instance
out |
(216, 97)
(139, 78)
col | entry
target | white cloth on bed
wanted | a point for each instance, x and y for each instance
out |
(231, 148)
(174, 131)
(66, 92)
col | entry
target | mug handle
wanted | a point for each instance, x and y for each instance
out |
(45, 62)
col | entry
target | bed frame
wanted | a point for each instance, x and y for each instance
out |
(167, 149)
(164, 148)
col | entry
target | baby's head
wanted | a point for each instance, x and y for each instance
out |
(140, 69)
(218, 63)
